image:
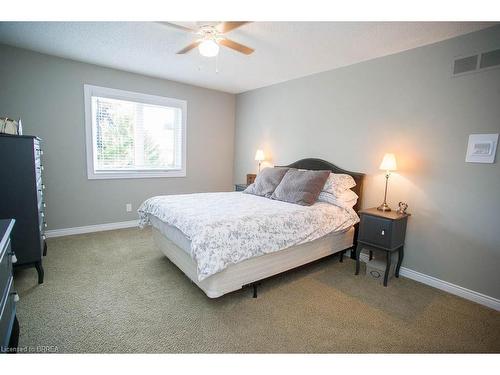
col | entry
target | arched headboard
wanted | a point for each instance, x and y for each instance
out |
(323, 165)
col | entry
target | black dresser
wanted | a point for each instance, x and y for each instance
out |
(9, 326)
(22, 197)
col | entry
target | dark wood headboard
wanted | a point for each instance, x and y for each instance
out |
(323, 165)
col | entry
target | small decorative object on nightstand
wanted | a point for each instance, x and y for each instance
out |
(385, 231)
(402, 207)
(240, 187)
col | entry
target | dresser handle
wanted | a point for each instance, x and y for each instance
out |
(44, 205)
(43, 186)
(43, 237)
(43, 215)
(16, 296)
(41, 167)
(13, 257)
(383, 233)
(45, 225)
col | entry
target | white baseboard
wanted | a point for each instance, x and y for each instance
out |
(457, 290)
(90, 228)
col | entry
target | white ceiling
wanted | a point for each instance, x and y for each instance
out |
(283, 50)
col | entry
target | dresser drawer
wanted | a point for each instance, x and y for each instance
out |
(38, 169)
(39, 191)
(7, 312)
(5, 267)
(375, 230)
(41, 217)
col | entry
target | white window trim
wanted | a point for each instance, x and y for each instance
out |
(89, 91)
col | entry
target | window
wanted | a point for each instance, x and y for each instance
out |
(133, 135)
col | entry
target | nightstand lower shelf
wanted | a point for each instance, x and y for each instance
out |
(388, 258)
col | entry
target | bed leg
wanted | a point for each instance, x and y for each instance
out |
(341, 256)
(254, 290)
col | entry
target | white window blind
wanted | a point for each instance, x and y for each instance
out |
(135, 135)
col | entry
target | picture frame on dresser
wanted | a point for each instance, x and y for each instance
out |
(23, 197)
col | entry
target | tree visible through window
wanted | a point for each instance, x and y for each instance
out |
(134, 136)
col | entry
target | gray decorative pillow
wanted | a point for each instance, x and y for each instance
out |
(301, 187)
(266, 182)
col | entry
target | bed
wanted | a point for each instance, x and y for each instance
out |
(226, 241)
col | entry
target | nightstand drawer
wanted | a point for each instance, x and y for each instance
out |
(375, 230)
(240, 187)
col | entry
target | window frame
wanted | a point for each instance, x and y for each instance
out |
(92, 174)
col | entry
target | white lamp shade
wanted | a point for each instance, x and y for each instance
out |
(259, 155)
(388, 163)
(208, 48)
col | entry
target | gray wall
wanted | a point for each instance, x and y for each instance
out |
(47, 93)
(409, 104)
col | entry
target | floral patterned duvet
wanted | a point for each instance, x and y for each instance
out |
(228, 228)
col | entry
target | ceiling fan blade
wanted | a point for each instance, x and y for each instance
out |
(178, 27)
(236, 46)
(225, 27)
(189, 47)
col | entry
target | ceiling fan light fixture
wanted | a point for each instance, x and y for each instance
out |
(208, 48)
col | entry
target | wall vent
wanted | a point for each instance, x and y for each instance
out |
(465, 64)
(482, 61)
(490, 59)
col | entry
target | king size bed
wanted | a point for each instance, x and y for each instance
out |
(226, 241)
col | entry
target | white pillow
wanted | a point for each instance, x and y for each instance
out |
(347, 199)
(338, 183)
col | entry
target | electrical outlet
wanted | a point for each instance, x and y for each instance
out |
(128, 207)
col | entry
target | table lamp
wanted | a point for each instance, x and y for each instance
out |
(259, 156)
(388, 164)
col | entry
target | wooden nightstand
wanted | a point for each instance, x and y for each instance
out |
(240, 187)
(384, 231)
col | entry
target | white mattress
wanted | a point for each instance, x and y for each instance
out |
(174, 244)
(173, 234)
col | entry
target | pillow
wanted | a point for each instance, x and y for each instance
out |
(300, 187)
(347, 199)
(266, 181)
(347, 195)
(337, 183)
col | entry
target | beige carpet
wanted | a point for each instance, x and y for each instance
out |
(114, 292)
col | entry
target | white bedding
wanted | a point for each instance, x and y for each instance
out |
(228, 228)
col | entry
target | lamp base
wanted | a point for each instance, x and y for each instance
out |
(384, 207)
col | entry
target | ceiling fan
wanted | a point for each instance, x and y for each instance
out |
(211, 36)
